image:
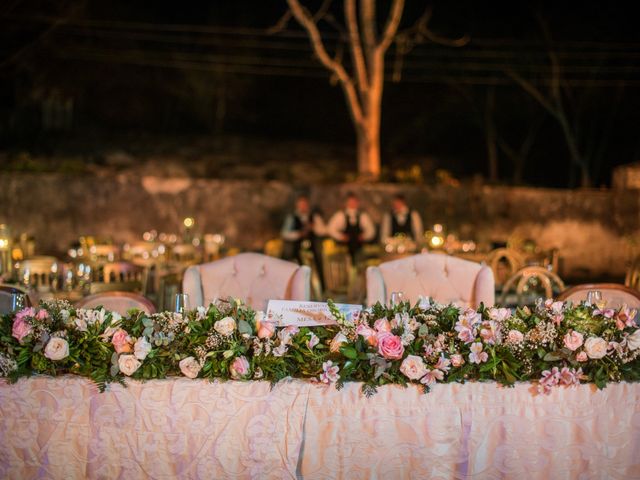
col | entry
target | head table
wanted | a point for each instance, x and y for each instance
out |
(180, 428)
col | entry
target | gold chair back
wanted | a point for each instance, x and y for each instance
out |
(274, 247)
(337, 267)
(504, 262)
(531, 278)
(632, 279)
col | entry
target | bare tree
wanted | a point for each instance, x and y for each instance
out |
(364, 86)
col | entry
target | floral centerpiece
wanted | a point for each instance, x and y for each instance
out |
(553, 344)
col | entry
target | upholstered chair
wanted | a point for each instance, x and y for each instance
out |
(120, 302)
(444, 278)
(252, 277)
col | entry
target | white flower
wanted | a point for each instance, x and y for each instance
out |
(424, 302)
(407, 337)
(596, 347)
(128, 364)
(633, 340)
(413, 367)
(280, 350)
(201, 312)
(81, 324)
(226, 326)
(337, 341)
(499, 314)
(56, 349)
(141, 348)
(190, 367)
(313, 340)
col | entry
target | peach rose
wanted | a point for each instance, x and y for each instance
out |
(390, 346)
(239, 368)
(413, 367)
(121, 341)
(582, 357)
(573, 340)
(189, 367)
(596, 347)
(225, 327)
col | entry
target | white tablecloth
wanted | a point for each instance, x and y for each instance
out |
(63, 428)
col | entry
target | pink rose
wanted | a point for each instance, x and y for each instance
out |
(266, 330)
(457, 360)
(582, 357)
(573, 340)
(42, 315)
(121, 341)
(382, 325)
(21, 328)
(239, 368)
(390, 346)
(368, 333)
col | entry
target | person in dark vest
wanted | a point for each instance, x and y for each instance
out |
(401, 220)
(303, 227)
(351, 226)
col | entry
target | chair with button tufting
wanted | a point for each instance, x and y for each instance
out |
(251, 277)
(444, 278)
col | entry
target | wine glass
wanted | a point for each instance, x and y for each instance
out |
(594, 297)
(397, 298)
(181, 303)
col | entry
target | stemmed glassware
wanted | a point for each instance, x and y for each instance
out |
(181, 303)
(396, 298)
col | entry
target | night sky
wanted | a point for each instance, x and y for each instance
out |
(212, 68)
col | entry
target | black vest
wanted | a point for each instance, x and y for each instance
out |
(405, 228)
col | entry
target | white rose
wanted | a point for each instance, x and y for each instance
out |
(226, 326)
(141, 348)
(633, 340)
(56, 349)
(413, 367)
(596, 347)
(128, 364)
(337, 341)
(190, 367)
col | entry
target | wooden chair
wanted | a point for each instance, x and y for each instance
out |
(614, 294)
(337, 266)
(7, 299)
(504, 262)
(632, 279)
(117, 301)
(531, 279)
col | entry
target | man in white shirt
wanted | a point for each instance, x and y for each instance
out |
(401, 220)
(351, 226)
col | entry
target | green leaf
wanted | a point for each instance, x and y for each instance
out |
(349, 352)
(551, 357)
(244, 327)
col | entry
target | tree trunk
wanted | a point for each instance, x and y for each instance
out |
(368, 153)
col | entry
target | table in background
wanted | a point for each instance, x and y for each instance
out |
(179, 428)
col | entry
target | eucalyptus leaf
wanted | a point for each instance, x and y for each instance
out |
(244, 327)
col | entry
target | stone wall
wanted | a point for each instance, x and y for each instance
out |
(594, 229)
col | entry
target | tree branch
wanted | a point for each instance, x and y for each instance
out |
(305, 19)
(355, 45)
(393, 22)
(368, 26)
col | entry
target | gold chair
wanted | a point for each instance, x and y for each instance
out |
(529, 280)
(338, 267)
(504, 262)
(632, 279)
(614, 294)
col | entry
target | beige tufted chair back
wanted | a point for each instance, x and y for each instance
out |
(252, 277)
(444, 278)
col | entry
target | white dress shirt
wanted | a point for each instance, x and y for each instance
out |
(338, 223)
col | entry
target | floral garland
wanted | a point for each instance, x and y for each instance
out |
(553, 344)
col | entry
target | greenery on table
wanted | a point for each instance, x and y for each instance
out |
(553, 344)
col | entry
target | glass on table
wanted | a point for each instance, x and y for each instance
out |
(594, 297)
(396, 298)
(181, 303)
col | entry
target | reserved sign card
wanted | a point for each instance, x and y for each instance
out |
(306, 314)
